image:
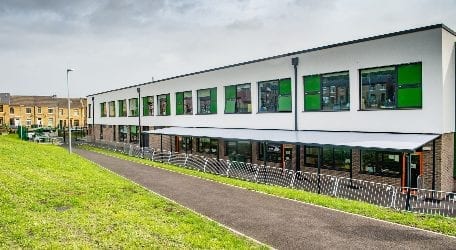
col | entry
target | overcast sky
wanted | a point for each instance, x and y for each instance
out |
(113, 44)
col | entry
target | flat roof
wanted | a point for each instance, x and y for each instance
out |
(380, 141)
(435, 26)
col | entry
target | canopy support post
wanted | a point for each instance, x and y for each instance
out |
(409, 181)
(319, 166)
(265, 152)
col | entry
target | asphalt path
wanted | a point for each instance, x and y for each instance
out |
(280, 223)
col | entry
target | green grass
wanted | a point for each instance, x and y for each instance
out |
(434, 223)
(50, 199)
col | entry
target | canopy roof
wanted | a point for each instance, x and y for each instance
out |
(383, 141)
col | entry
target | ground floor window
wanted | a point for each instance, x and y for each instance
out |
(122, 133)
(207, 146)
(381, 163)
(273, 152)
(134, 131)
(185, 144)
(238, 151)
(336, 158)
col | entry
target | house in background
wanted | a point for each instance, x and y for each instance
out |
(380, 109)
(41, 111)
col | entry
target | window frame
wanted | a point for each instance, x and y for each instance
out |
(247, 159)
(103, 111)
(183, 111)
(113, 103)
(396, 66)
(211, 101)
(201, 149)
(50, 111)
(168, 104)
(333, 158)
(321, 75)
(136, 110)
(146, 100)
(278, 95)
(28, 112)
(377, 163)
(236, 97)
(123, 110)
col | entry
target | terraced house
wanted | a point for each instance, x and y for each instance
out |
(380, 108)
(41, 111)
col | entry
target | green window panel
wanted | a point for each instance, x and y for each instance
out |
(168, 105)
(311, 83)
(284, 103)
(145, 106)
(213, 107)
(179, 103)
(312, 102)
(230, 99)
(409, 74)
(409, 97)
(133, 129)
(285, 86)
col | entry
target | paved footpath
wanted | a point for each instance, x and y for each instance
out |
(281, 223)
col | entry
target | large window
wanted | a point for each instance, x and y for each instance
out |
(273, 152)
(28, 110)
(274, 96)
(184, 103)
(102, 109)
(327, 92)
(134, 132)
(122, 104)
(382, 163)
(148, 105)
(393, 87)
(207, 101)
(133, 107)
(207, 146)
(336, 158)
(39, 110)
(123, 131)
(238, 150)
(185, 144)
(112, 109)
(238, 99)
(164, 105)
(51, 110)
(1, 108)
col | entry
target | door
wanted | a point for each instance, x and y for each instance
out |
(416, 170)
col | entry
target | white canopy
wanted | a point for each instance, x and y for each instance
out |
(384, 141)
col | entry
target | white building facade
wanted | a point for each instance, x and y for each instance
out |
(398, 83)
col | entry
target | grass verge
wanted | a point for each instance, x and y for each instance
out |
(51, 199)
(436, 223)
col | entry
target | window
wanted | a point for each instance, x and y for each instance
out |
(60, 111)
(51, 110)
(89, 110)
(164, 105)
(103, 109)
(393, 87)
(335, 158)
(112, 109)
(238, 99)
(327, 92)
(134, 132)
(274, 96)
(11, 110)
(273, 152)
(185, 144)
(122, 108)
(148, 105)
(28, 122)
(1, 121)
(39, 110)
(238, 150)
(207, 101)
(184, 103)
(1, 108)
(28, 110)
(76, 123)
(75, 112)
(50, 122)
(122, 133)
(207, 146)
(381, 163)
(133, 107)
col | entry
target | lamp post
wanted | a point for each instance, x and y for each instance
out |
(139, 116)
(69, 123)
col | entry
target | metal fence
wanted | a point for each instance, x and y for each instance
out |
(401, 198)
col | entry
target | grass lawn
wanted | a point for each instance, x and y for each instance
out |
(50, 199)
(434, 223)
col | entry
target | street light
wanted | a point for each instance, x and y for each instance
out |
(69, 123)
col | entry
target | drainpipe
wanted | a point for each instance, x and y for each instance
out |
(295, 62)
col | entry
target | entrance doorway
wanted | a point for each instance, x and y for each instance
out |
(416, 170)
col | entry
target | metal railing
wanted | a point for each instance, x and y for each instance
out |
(419, 200)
